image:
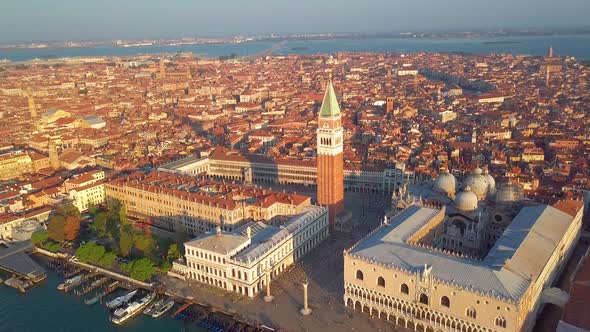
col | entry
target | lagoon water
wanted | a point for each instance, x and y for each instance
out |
(45, 309)
(566, 45)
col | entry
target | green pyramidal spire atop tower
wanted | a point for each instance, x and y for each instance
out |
(330, 104)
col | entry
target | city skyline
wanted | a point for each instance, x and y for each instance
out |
(41, 20)
(311, 165)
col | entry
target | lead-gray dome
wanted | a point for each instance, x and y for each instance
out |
(491, 182)
(478, 183)
(466, 200)
(445, 184)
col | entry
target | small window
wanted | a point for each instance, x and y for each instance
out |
(501, 322)
(359, 275)
(471, 313)
(445, 302)
(404, 289)
(423, 299)
(498, 217)
(381, 282)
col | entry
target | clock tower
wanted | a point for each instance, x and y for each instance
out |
(330, 164)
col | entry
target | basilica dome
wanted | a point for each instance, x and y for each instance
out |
(478, 183)
(466, 200)
(445, 183)
(491, 182)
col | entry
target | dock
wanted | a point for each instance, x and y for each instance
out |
(15, 260)
(94, 285)
(84, 279)
(62, 268)
(182, 308)
(98, 297)
(19, 283)
(190, 311)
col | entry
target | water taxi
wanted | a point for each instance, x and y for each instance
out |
(125, 312)
(116, 302)
(162, 309)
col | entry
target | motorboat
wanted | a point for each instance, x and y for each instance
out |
(163, 309)
(131, 309)
(150, 310)
(118, 301)
(69, 282)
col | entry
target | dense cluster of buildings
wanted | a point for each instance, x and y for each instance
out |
(129, 114)
(483, 216)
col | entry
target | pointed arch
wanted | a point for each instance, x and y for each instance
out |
(404, 289)
(423, 299)
(359, 275)
(500, 322)
(471, 312)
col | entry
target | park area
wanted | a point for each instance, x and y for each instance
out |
(105, 237)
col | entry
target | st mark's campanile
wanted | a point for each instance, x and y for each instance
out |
(330, 172)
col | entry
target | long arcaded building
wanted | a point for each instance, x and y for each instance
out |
(228, 164)
(402, 272)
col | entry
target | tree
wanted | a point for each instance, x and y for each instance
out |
(125, 240)
(90, 252)
(68, 210)
(123, 215)
(39, 237)
(99, 225)
(126, 267)
(165, 267)
(92, 209)
(144, 242)
(114, 207)
(72, 228)
(64, 224)
(143, 269)
(173, 252)
(52, 246)
(56, 228)
(180, 232)
(107, 260)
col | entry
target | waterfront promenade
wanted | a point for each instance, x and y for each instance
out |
(325, 296)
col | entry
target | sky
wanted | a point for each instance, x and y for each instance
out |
(60, 20)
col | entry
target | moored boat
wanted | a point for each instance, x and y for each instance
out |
(123, 313)
(70, 281)
(163, 309)
(98, 282)
(150, 310)
(118, 301)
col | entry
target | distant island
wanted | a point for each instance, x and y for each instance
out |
(295, 37)
(501, 42)
(299, 48)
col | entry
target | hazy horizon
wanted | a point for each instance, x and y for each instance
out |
(44, 20)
